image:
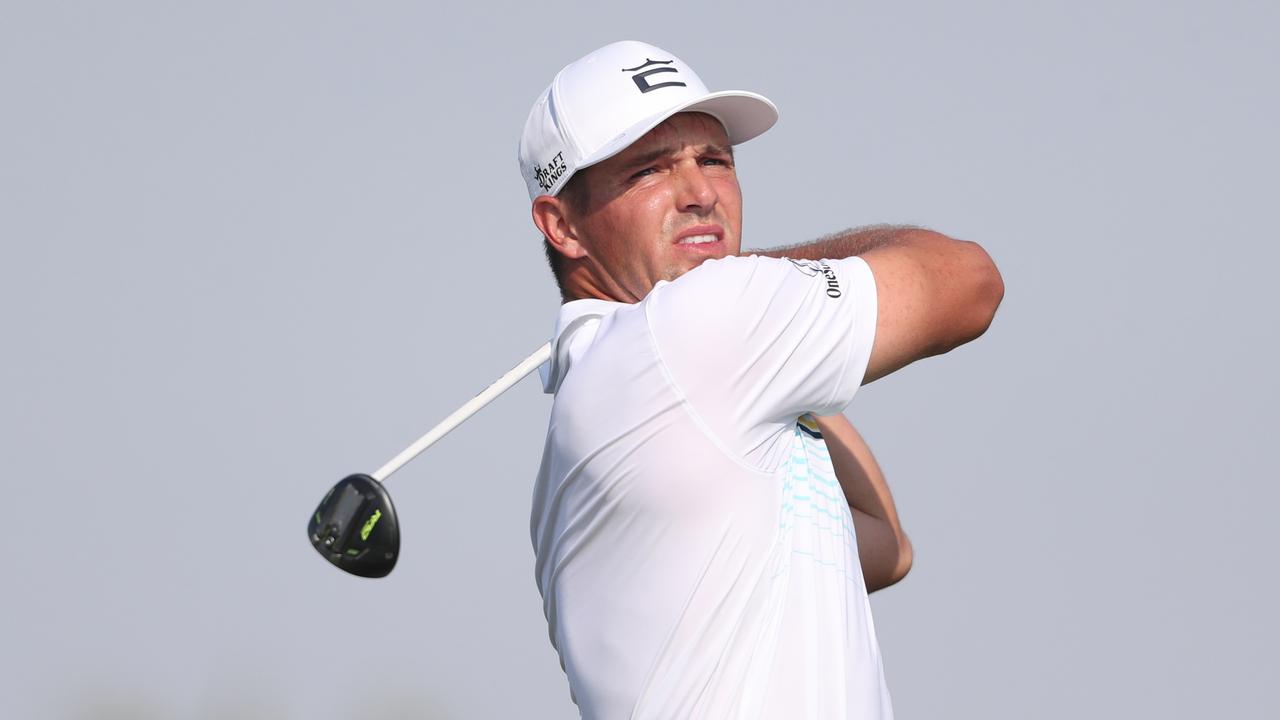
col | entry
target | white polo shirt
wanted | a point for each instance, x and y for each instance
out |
(695, 554)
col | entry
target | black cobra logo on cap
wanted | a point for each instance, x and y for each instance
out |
(641, 79)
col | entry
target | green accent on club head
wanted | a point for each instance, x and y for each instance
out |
(317, 518)
(353, 551)
(368, 525)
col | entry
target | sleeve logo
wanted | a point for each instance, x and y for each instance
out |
(816, 268)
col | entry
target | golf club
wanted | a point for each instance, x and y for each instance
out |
(355, 526)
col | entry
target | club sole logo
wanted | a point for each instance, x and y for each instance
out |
(368, 524)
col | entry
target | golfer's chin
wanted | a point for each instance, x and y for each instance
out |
(688, 257)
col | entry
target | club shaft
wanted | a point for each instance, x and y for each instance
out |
(460, 415)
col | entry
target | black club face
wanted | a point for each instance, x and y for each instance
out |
(355, 527)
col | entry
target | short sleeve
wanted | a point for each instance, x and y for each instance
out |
(753, 342)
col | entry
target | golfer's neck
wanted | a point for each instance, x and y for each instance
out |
(580, 283)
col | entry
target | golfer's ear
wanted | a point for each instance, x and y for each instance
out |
(550, 217)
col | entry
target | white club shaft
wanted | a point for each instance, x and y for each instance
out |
(499, 386)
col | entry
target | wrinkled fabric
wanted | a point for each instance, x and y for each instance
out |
(695, 554)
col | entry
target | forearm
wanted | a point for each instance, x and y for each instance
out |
(846, 243)
(883, 547)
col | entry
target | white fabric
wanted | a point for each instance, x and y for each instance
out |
(695, 555)
(603, 102)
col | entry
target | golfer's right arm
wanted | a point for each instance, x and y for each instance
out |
(934, 293)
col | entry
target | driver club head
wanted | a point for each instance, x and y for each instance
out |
(355, 527)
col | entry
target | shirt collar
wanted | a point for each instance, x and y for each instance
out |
(575, 327)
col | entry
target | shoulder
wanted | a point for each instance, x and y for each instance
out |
(754, 283)
(713, 292)
(723, 277)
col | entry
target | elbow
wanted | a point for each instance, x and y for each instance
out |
(983, 292)
(906, 555)
(990, 289)
(889, 576)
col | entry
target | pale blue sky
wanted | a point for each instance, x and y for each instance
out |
(250, 248)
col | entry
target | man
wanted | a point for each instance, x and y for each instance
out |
(706, 523)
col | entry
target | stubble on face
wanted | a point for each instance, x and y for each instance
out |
(646, 206)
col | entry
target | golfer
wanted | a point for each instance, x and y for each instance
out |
(706, 523)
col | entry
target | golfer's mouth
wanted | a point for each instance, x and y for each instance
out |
(701, 237)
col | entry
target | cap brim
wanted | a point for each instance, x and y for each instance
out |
(743, 114)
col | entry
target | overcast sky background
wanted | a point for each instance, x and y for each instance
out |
(249, 248)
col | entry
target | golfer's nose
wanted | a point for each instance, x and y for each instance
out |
(695, 192)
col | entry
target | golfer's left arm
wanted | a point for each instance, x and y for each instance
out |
(883, 547)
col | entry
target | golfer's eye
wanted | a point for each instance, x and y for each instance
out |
(715, 161)
(644, 172)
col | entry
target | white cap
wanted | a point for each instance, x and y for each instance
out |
(601, 103)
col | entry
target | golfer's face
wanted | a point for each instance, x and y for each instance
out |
(663, 206)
